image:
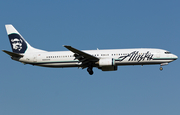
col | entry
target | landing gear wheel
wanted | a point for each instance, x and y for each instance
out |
(161, 68)
(89, 69)
(91, 72)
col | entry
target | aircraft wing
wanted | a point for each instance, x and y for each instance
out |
(12, 54)
(82, 56)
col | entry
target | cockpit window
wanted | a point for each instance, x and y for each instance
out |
(167, 52)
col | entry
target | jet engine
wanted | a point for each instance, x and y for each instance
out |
(107, 64)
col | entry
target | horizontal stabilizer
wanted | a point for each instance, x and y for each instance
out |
(12, 54)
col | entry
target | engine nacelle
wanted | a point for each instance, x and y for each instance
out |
(106, 62)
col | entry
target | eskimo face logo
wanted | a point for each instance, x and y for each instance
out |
(17, 44)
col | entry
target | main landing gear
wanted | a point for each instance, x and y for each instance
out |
(89, 69)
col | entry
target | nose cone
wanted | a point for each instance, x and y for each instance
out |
(175, 57)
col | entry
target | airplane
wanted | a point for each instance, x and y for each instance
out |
(105, 60)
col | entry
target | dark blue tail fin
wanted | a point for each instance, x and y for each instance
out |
(18, 44)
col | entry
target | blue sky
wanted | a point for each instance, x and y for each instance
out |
(103, 24)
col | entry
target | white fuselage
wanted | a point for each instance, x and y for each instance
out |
(141, 56)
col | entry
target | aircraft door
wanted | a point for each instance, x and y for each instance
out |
(34, 58)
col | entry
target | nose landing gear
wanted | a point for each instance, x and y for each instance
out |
(161, 68)
(162, 64)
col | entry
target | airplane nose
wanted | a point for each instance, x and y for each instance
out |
(175, 57)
